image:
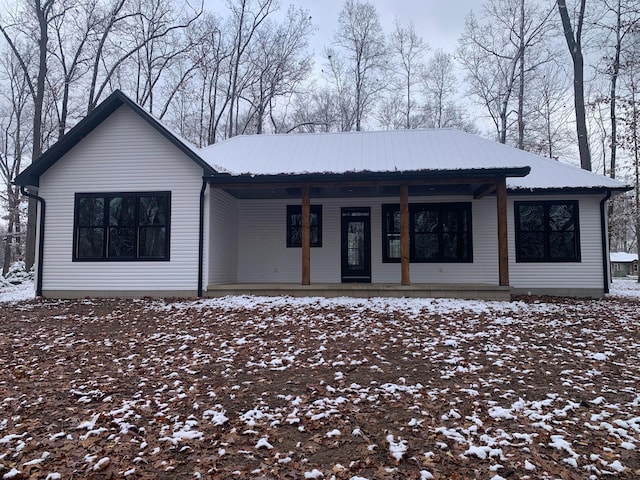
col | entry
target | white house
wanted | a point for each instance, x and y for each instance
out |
(127, 208)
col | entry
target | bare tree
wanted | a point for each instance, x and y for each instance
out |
(279, 62)
(14, 130)
(630, 139)
(109, 54)
(497, 53)
(316, 111)
(439, 87)
(548, 117)
(573, 36)
(408, 49)
(209, 97)
(358, 60)
(72, 31)
(247, 16)
(160, 32)
(343, 90)
(620, 20)
(17, 29)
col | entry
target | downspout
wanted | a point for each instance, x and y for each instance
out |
(201, 236)
(43, 204)
(605, 252)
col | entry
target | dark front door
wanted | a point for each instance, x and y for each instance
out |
(356, 245)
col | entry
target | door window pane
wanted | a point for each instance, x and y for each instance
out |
(355, 245)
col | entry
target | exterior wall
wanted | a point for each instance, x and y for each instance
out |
(123, 154)
(223, 238)
(264, 257)
(579, 278)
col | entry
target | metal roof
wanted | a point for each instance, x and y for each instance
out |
(623, 257)
(394, 151)
(393, 154)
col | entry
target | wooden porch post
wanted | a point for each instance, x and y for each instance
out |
(404, 235)
(306, 237)
(503, 243)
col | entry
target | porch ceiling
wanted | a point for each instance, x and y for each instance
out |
(346, 191)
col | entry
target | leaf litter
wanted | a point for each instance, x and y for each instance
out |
(259, 387)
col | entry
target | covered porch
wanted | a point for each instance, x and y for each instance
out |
(355, 202)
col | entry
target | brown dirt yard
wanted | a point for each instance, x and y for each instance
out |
(282, 388)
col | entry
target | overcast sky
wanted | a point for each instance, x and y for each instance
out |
(439, 22)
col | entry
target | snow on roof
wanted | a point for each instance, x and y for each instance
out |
(623, 257)
(391, 151)
(381, 151)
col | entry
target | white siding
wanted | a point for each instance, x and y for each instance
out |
(223, 238)
(123, 154)
(264, 257)
(587, 274)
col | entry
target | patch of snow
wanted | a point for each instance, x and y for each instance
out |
(217, 417)
(263, 443)
(397, 449)
(17, 293)
(499, 412)
(102, 464)
(89, 424)
(13, 473)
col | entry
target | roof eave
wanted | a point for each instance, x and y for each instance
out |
(300, 178)
(566, 190)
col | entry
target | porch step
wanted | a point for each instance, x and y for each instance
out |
(364, 290)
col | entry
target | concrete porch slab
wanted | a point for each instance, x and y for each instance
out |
(364, 290)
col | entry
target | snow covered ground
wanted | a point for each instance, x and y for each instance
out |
(626, 287)
(275, 387)
(621, 287)
(17, 293)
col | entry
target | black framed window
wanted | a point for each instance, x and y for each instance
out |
(547, 231)
(122, 226)
(390, 233)
(294, 225)
(438, 232)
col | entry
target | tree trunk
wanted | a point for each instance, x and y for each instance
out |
(8, 253)
(42, 14)
(521, 86)
(574, 43)
(615, 70)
